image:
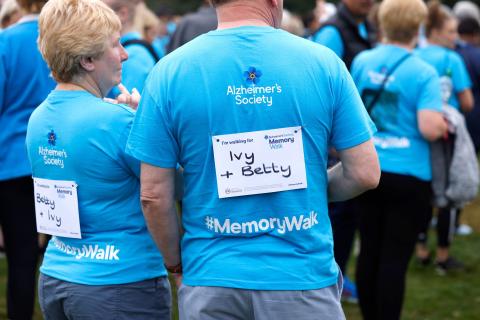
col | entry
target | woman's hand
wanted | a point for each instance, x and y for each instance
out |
(131, 99)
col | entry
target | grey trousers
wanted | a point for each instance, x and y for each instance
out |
(216, 303)
(62, 300)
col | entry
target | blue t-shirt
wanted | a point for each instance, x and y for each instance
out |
(330, 37)
(451, 69)
(401, 147)
(136, 68)
(262, 79)
(160, 44)
(89, 138)
(24, 83)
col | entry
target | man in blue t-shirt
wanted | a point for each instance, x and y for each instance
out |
(250, 124)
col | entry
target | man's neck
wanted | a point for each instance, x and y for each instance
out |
(236, 14)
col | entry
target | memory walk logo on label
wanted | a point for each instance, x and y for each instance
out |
(281, 225)
(51, 156)
(94, 252)
(252, 93)
(277, 141)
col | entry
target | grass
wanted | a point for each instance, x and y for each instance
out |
(428, 295)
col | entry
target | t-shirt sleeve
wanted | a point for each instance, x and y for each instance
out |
(132, 164)
(430, 97)
(151, 139)
(351, 123)
(461, 79)
(330, 37)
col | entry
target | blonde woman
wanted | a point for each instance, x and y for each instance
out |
(115, 270)
(407, 113)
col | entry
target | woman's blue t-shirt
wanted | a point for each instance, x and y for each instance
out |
(88, 148)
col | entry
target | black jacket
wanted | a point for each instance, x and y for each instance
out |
(353, 42)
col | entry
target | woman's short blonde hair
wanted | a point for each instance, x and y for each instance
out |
(400, 20)
(70, 30)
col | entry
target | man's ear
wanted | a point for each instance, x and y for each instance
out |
(87, 64)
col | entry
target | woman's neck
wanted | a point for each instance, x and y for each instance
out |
(82, 85)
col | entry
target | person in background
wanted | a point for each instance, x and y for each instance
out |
(147, 24)
(407, 113)
(166, 29)
(325, 10)
(469, 50)
(142, 56)
(151, 27)
(348, 32)
(10, 13)
(292, 23)
(24, 83)
(442, 36)
(463, 9)
(192, 25)
(114, 271)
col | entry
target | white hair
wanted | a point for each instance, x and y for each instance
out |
(464, 9)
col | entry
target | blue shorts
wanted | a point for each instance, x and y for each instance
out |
(62, 300)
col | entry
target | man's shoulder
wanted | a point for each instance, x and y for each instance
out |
(285, 40)
(423, 70)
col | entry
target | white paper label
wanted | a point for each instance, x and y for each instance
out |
(259, 162)
(56, 207)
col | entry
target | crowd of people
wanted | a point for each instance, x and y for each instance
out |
(238, 148)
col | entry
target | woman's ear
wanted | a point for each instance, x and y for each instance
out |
(87, 64)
